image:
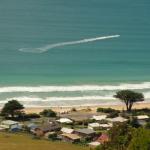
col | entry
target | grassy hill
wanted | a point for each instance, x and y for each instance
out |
(25, 142)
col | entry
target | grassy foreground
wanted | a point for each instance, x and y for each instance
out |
(25, 142)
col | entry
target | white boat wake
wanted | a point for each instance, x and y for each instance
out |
(47, 47)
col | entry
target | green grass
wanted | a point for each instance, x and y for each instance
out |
(25, 142)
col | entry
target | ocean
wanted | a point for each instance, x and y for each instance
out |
(65, 53)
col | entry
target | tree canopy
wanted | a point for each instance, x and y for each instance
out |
(11, 108)
(129, 97)
(48, 113)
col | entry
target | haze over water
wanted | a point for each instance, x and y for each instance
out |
(79, 74)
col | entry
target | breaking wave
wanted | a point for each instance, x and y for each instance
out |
(47, 47)
(74, 88)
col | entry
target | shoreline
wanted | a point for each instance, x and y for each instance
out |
(78, 108)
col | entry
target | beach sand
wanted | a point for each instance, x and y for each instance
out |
(93, 108)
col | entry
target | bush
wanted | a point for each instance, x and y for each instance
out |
(144, 111)
(52, 137)
(48, 113)
(113, 114)
(134, 123)
(147, 125)
(32, 116)
(107, 110)
(73, 109)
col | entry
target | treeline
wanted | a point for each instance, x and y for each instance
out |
(125, 137)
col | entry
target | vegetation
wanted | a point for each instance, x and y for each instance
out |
(129, 98)
(12, 108)
(48, 113)
(140, 140)
(107, 110)
(52, 137)
(124, 137)
(25, 142)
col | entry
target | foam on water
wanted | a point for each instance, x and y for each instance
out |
(73, 88)
(50, 46)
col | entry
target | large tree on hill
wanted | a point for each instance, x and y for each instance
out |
(129, 97)
(11, 108)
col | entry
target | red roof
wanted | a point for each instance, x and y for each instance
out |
(103, 138)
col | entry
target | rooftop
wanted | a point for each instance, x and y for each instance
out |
(142, 117)
(85, 131)
(71, 136)
(101, 117)
(67, 130)
(9, 122)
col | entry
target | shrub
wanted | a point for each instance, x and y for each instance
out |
(52, 137)
(32, 116)
(134, 123)
(73, 109)
(107, 110)
(147, 125)
(48, 113)
(113, 114)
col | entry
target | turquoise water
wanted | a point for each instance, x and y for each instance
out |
(35, 24)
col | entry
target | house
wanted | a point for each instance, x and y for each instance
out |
(142, 122)
(65, 120)
(73, 138)
(99, 118)
(105, 126)
(94, 144)
(10, 125)
(103, 138)
(67, 130)
(94, 126)
(117, 119)
(50, 126)
(46, 127)
(38, 132)
(142, 117)
(32, 126)
(85, 133)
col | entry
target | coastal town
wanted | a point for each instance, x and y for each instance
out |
(84, 127)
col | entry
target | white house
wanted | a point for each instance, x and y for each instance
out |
(9, 124)
(105, 126)
(94, 126)
(98, 118)
(64, 120)
(67, 130)
(117, 119)
(142, 117)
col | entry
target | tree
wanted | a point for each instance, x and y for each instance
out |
(11, 108)
(129, 98)
(48, 113)
(140, 139)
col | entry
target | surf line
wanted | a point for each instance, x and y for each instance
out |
(50, 46)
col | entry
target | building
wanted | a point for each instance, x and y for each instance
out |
(94, 126)
(105, 126)
(85, 133)
(142, 117)
(10, 125)
(46, 127)
(99, 118)
(67, 130)
(103, 138)
(50, 126)
(65, 120)
(117, 119)
(73, 138)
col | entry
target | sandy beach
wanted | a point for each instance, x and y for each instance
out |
(93, 108)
